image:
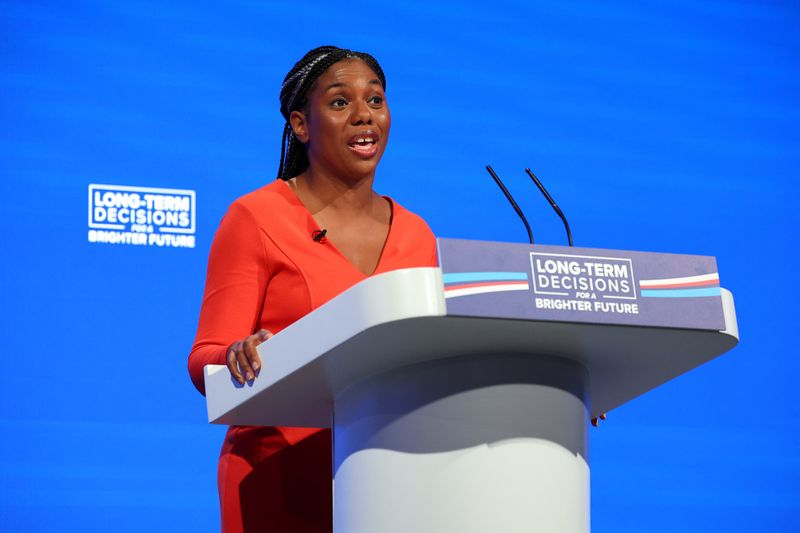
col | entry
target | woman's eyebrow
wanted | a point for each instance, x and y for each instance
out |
(342, 84)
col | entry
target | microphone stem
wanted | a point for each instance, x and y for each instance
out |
(566, 225)
(511, 200)
(552, 203)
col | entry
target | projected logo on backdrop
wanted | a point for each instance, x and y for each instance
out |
(583, 283)
(141, 216)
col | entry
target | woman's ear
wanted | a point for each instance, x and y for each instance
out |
(299, 124)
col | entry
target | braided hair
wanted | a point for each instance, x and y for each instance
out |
(297, 84)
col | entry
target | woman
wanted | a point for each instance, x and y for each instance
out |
(287, 248)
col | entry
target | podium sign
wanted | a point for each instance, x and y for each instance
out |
(580, 285)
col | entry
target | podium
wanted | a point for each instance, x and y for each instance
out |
(460, 396)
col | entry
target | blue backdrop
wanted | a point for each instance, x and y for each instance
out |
(670, 126)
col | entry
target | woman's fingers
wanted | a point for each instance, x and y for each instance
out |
(232, 361)
(243, 360)
(255, 359)
(250, 362)
(245, 355)
(596, 420)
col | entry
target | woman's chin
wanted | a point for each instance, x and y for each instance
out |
(363, 168)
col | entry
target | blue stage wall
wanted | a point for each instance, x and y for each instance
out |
(669, 126)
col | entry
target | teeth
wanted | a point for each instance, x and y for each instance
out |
(363, 141)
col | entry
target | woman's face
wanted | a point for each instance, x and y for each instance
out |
(346, 125)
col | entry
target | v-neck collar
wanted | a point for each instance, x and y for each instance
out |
(312, 225)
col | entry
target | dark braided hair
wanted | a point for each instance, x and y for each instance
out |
(294, 96)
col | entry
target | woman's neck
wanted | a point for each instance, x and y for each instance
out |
(319, 190)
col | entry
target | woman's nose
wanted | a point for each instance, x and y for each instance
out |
(362, 114)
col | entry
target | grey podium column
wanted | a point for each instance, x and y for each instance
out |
(483, 443)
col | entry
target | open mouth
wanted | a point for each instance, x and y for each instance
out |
(364, 144)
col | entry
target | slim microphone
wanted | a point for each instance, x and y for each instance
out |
(511, 199)
(552, 202)
(319, 235)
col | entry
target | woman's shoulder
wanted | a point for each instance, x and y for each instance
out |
(266, 205)
(269, 196)
(407, 221)
(414, 244)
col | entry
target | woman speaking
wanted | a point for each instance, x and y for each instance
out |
(284, 250)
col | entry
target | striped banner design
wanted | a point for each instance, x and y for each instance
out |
(683, 287)
(469, 283)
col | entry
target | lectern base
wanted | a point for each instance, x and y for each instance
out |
(476, 444)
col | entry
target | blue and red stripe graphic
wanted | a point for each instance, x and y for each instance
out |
(683, 287)
(469, 283)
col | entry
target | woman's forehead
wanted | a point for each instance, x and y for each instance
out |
(346, 72)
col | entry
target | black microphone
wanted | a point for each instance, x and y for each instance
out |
(319, 235)
(511, 199)
(552, 202)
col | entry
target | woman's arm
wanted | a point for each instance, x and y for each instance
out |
(236, 280)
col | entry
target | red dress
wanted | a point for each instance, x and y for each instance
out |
(266, 271)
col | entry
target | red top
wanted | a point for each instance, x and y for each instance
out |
(266, 271)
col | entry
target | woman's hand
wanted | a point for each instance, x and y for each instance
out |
(242, 357)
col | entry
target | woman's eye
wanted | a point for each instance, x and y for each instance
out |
(339, 102)
(377, 100)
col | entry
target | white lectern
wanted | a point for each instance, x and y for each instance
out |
(448, 421)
